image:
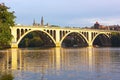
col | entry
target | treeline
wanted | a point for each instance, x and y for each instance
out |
(31, 40)
(115, 39)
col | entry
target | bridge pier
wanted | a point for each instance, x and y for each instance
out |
(90, 45)
(58, 44)
(14, 45)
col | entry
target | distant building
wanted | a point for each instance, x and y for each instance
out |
(34, 23)
(37, 24)
(111, 27)
(114, 27)
(42, 21)
(96, 25)
(103, 27)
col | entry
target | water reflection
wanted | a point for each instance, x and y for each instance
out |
(61, 63)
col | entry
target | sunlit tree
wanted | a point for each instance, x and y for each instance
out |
(6, 21)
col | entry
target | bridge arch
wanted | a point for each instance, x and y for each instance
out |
(103, 37)
(81, 36)
(21, 37)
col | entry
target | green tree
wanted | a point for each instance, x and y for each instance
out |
(32, 40)
(115, 39)
(6, 21)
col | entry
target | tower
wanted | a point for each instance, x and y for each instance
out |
(96, 25)
(34, 23)
(42, 21)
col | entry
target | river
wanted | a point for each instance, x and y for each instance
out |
(61, 63)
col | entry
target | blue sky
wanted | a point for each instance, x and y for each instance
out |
(78, 13)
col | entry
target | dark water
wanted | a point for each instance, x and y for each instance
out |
(62, 64)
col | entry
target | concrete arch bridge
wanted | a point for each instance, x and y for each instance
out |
(62, 36)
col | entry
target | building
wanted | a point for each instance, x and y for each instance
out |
(96, 25)
(38, 24)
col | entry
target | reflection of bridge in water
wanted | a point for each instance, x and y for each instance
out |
(56, 36)
(54, 59)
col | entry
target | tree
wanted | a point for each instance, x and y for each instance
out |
(32, 39)
(115, 39)
(6, 21)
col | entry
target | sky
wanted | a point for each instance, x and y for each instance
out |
(77, 13)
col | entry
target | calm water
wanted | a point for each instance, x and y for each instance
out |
(62, 64)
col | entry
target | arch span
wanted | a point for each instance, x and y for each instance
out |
(74, 39)
(102, 40)
(43, 32)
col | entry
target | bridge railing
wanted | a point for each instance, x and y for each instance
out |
(66, 28)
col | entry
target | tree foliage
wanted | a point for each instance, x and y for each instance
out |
(115, 39)
(6, 21)
(31, 40)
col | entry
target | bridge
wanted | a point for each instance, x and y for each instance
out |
(57, 36)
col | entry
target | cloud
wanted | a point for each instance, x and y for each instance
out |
(67, 12)
(106, 21)
(90, 21)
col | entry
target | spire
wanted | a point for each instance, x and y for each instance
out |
(42, 21)
(34, 23)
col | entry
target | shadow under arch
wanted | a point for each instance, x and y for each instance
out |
(101, 40)
(46, 37)
(74, 39)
